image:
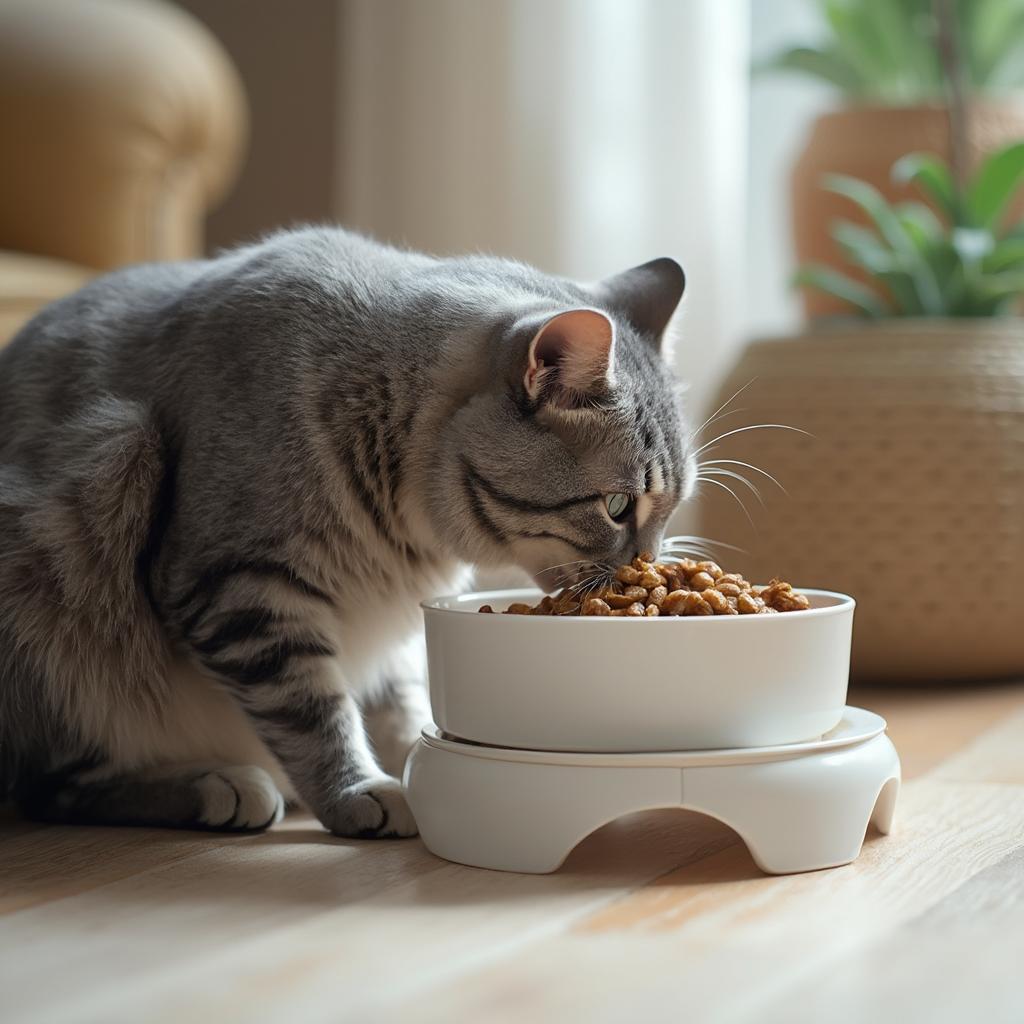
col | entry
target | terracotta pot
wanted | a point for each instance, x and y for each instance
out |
(909, 495)
(865, 142)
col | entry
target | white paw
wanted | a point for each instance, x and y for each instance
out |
(372, 809)
(241, 798)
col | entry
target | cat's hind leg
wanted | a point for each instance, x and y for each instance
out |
(220, 799)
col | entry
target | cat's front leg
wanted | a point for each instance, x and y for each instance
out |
(285, 676)
(395, 714)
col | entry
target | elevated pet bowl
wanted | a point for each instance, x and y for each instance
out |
(798, 807)
(631, 685)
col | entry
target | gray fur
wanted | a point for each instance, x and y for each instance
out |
(225, 485)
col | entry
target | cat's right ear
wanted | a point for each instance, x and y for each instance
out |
(570, 358)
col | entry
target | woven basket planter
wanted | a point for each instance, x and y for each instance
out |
(909, 495)
(865, 141)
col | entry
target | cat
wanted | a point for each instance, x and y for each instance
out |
(226, 485)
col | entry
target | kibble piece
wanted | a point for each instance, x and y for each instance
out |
(638, 593)
(628, 575)
(694, 604)
(616, 600)
(656, 596)
(713, 569)
(651, 611)
(485, 608)
(687, 566)
(787, 601)
(717, 600)
(673, 603)
(651, 579)
(595, 606)
(518, 608)
(728, 589)
(701, 580)
(748, 604)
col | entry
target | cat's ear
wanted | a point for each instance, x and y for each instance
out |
(646, 296)
(570, 357)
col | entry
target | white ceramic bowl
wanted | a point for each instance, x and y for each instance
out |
(625, 684)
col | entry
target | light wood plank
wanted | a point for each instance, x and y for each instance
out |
(716, 941)
(929, 724)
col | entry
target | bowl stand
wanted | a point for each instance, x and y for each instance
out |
(798, 807)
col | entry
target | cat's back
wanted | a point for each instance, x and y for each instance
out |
(70, 351)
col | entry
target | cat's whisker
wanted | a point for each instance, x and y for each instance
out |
(746, 465)
(711, 419)
(679, 539)
(735, 476)
(753, 426)
(726, 487)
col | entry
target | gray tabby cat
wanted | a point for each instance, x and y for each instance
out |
(225, 485)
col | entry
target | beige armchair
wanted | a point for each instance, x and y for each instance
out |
(123, 122)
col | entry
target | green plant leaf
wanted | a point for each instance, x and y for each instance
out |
(832, 282)
(1006, 254)
(884, 217)
(995, 185)
(1008, 285)
(932, 177)
(972, 244)
(826, 65)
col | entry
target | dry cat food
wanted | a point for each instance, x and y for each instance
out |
(646, 588)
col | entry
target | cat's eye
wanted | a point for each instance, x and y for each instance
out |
(619, 506)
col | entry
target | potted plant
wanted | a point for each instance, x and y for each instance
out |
(901, 66)
(907, 490)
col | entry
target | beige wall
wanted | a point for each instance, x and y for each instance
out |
(287, 54)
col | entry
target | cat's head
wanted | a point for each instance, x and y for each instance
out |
(575, 452)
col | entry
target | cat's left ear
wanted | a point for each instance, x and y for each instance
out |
(646, 295)
(571, 357)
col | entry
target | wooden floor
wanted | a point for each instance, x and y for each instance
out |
(661, 916)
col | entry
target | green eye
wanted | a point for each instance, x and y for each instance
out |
(619, 506)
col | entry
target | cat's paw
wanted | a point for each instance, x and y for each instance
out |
(372, 809)
(238, 799)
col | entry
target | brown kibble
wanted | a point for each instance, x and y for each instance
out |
(717, 600)
(713, 569)
(485, 608)
(701, 580)
(673, 603)
(694, 604)
(628, 575)
(650, 589)
(634, 611)
(787, 601)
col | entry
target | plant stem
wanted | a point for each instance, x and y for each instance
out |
(948, 43)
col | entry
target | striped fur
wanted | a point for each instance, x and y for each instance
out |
(226, 485)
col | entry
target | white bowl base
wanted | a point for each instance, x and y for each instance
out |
(797, 808)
